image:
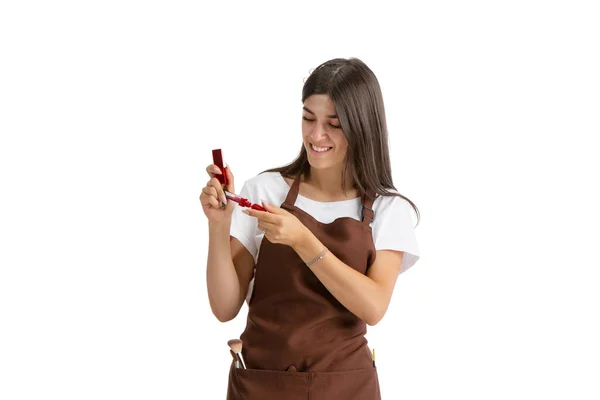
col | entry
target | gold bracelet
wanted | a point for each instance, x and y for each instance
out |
(317, 258)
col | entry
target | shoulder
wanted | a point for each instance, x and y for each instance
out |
(268, 186)
(392, 208)
(392, 200)
(265, 180)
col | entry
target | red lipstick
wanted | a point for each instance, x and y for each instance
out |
(218, 161)
(243, 202)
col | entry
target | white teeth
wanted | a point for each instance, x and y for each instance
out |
(320, 149)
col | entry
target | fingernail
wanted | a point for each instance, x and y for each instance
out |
(216, 170)
(263, 201)
(246, 212)
(223, 199)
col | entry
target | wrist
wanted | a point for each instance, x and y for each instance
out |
(308, 246)
(220, 227)
(302, 239)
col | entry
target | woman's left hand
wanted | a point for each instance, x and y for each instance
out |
(281, 226)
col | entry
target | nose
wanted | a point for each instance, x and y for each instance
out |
(318, 134)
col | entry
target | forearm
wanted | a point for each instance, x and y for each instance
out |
(221, 278)
(354, 290)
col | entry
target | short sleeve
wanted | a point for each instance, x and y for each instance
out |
(244, 228)
(393, 229)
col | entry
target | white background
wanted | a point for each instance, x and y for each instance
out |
(108, 115)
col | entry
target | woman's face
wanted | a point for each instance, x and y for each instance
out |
(322, 135)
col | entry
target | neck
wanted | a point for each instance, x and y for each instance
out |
(329, 182)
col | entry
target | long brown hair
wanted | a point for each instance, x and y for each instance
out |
(358, 102)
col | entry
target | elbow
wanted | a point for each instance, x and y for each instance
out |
(374, 317)
(224, 315)
(224, 310)
(377, 309)
(222, 318)
(373, 320)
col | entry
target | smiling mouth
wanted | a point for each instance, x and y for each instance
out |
(320, 149)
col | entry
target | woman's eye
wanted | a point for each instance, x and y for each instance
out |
(312, 120)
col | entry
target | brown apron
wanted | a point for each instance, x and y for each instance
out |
(300, 342)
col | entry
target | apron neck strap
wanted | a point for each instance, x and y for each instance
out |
(293, 192)
(367, 203)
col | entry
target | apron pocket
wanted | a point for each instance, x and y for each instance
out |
(360, 384)
(260, 384)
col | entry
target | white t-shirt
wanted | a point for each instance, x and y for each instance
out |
(392, 226)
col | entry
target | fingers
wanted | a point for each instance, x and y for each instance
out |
(214, 182)
(215, 190)
(213, 194)
(260, 215)
(266, 225)
(213, 170)
(230, 179)
(272, 209)
(208, 197)
(269, 215)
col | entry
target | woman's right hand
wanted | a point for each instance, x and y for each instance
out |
(213, 195)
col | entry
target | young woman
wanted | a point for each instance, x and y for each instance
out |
(322, 262)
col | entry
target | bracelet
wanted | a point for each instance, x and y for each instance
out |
(317, 258)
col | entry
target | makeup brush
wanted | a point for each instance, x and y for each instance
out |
(236, 347)
(237, 363)
(373, 358)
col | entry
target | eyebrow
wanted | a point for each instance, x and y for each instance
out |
(329, 116)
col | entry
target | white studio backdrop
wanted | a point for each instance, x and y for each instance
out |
(108, 115)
